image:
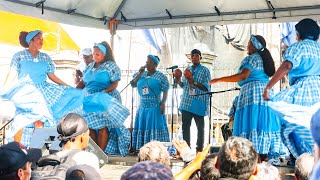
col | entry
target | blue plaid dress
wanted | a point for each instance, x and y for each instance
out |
(34, 98)
(304, 90)
(96, 80)
(254, 120)
(149, 123)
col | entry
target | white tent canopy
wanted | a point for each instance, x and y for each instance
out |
(134, 14)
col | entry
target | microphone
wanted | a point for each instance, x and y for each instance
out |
(144, 67)
(172, 67)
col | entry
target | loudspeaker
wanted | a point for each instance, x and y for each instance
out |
(46, 140)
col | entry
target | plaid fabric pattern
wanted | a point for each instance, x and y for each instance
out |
(26, 56)
(141, 137)
(154, 97)
(299, 51)
(297, 138)
(51, 92)
(114, 71)
(113, 117)
(26, 136)
(266, 142)
(252, 62)
(305, 91)
(251, 93)
(115, 93)
(119, 142)
(233, 107)
(114, 74)
(110, 66)
(202, 76)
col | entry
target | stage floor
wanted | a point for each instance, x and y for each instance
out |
(118, 165)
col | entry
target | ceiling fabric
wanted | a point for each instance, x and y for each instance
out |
(142, 14)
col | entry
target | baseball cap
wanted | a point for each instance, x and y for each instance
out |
(84, 172)
(86, 51)
(315, 127)
(14, 156)
(196, 51)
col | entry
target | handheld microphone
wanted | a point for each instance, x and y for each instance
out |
(172, 67)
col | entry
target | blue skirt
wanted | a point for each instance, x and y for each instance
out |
(45, 102)
(102, 110)
(304, 92)
(149, 125)
(255, 121)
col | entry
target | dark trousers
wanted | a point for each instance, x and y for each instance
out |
(186, 123)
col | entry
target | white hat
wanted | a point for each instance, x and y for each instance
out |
(86, 51)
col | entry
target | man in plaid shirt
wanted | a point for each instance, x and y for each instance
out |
(194, 82)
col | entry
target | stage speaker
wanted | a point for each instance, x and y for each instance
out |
(46, 140)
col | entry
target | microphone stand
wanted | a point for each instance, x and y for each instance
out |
(174, 85)
(210, 103)
(132, 99)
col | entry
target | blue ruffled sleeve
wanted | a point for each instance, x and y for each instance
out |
(164, 83)
(115, 73)
(15, 62)
(51, 68)
(293, 54)
(248, 63)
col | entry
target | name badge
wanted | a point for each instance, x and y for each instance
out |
(145, 91)
(192, 91)
(35, 60)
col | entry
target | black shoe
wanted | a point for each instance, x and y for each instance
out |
(291, 162)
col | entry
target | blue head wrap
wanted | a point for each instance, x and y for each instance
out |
(102, 48)
(256, 43)
(31, 35)
(156, 60)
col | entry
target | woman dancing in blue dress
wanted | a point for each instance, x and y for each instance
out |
(302, 64)
(100, 78)
(253, 119)
(38, 103)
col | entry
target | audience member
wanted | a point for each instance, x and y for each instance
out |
(15, 162)
(237, 159)
(74, 134)
(156, 152)
(82, 172)
(315, 129)
(208, 170)
(303, 166)
(148, 170)
(87, 59)
(267, 171)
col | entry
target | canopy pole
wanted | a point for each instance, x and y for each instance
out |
(113, 25)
